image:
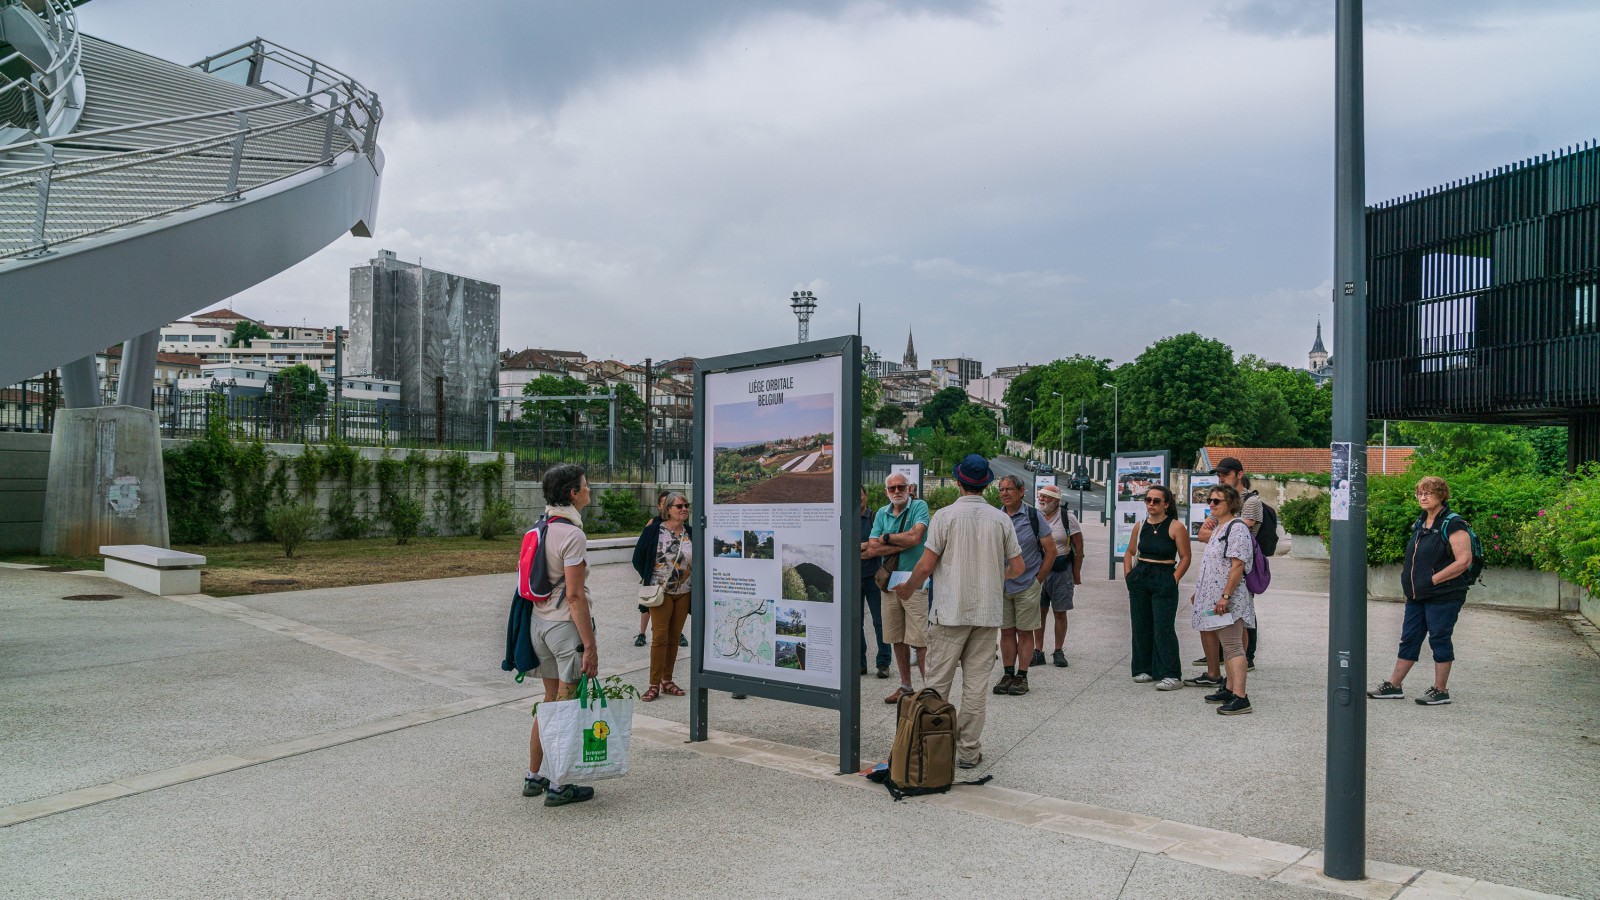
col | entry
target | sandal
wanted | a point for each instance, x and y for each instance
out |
(650, 694)
(668, 687)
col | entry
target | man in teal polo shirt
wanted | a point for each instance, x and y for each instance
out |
(901, 528)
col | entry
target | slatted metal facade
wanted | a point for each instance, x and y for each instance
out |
(1484, 299)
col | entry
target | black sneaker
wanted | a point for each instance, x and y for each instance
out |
(1250, 664)
(639, 641)
(1037, 658)
(1199, 662)
(683, 641)
(1223, 695)
(1019, 685)
(1433, 697)
(1004, 687)
(1060, 659)
(883, 671)
(863, 668)
(572, 793)
(1387, 691)
(1204, 680)
(1238, 706)
(533, 787)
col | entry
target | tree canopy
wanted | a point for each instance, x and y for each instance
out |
(246, 331)
(301, 384)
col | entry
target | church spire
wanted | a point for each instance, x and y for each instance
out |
(910, 359)
(1317, 346)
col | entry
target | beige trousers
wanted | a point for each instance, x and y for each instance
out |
(972, 648)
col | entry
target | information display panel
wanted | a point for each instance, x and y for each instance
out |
(1199, 491)
(1132, 474)
(913, 475)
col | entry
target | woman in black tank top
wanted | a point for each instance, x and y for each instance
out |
(1155, 561)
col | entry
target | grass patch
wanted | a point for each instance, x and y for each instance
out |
(72, 562)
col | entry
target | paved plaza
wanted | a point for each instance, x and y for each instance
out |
(363, 742)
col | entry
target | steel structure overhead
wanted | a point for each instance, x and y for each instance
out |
(175, 188)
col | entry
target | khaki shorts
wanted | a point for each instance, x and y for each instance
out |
(906, 621)
(1021, 610)
(559, 648)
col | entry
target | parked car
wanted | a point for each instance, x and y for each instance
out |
(1031, 465)
(1079, 481)
(1045, 469)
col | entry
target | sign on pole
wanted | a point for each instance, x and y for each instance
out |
(1132, 474)
(1040, 481)
(1199, 491)
(777, 604)
(913, 475)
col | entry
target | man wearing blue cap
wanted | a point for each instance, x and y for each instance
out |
(971, 550)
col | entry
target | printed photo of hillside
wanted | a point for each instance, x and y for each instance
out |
(781, 453)
(808, 572)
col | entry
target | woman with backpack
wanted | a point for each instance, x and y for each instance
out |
(1434, 578)
(1223, 605)
(664, 556)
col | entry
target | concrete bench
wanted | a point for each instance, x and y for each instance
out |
(154, 570)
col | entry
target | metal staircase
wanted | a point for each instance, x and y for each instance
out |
(134, 191)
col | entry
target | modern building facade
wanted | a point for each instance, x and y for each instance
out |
(417, 325)
(1484, 300)
(965, 370)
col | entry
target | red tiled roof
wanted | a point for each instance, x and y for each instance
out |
(1285, 460)
(171, 359)
(223, 313)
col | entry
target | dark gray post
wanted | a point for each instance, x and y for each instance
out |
(1345, 806)
(338, 379)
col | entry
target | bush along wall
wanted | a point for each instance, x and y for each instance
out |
(221, 490)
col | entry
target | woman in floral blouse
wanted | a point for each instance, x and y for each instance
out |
(670, 566)
(1223, 607)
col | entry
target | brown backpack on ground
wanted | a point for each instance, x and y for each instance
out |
(923, 759)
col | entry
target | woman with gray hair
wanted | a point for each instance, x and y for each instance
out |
(664, 556)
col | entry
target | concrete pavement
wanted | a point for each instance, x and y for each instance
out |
(362, 741)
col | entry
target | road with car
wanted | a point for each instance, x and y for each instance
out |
(1093, 496)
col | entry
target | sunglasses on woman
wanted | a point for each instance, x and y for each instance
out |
(1215, 501)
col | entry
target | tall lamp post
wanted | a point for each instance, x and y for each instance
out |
(1063, 425)
(1032, 406)
(1083, 426)
(1116, 418)
(803, 304)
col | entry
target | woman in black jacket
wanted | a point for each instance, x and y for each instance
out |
(1434, 580)
(664, 556)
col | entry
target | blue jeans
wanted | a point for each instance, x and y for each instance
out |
(1436, 619)
(874, 598)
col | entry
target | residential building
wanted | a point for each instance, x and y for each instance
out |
(964, 369)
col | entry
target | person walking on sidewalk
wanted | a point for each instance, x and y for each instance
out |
(898, 534)
(1021, 613)
(1230, 471)
(563, 630)
(871, 596)
(1223, 606)
(1065, 574)
(971, 549)
(1434, 580)
(669, 565)
(1152, 566)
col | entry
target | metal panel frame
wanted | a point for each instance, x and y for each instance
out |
(1111, 501)
(846, 697)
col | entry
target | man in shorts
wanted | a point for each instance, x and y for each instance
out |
(1020, 612)
(563, 630)
(902, 527)
(1065, 574)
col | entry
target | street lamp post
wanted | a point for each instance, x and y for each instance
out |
(1032, 405)
(1116, 418)
(1083, 426)
(1063, 438)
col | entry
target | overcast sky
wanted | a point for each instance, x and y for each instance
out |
(1018, 181)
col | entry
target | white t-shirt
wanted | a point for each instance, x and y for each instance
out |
(1062, 528)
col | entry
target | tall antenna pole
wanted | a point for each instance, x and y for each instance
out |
(803, 304)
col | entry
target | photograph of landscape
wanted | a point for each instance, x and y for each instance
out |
(781, 453)
(808, 572)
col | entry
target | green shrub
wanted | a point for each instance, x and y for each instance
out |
(1564, 536)
(1496, 504)
(940, 497)
(405, 517)
(499, 517)
(1306, 515)
(291, 524)
(619, 511)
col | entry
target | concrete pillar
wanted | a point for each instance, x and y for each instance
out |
(105, 483)
(80, 384)
(138, 376)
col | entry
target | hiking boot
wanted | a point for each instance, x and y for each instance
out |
(684, 642)
(1222, 695)
(639, 641)
(533, 787)
(1169, 684)
(1060, 659)
(969, 763)
(1433, 697)
(1387, 691)
(1238, 706)
(1144, 678)
(572, 793)
(1204, 680)
(1037, 659)
(1019, 685)
(1004, 687)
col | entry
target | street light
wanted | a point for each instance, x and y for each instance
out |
(1063, 425)
(1032, 406)
(803, 304)
(1083, 426)
(1116, 418)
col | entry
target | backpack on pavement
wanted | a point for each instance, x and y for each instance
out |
(923, 758)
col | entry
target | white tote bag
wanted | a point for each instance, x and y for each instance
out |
(587, 738)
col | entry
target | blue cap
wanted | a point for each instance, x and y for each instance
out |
(974, 471)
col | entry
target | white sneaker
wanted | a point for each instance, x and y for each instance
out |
(1168, 684)
(1144, 678)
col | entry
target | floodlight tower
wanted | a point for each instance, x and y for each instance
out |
(803, 304)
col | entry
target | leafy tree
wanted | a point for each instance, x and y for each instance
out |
(1310, 405)
(937, 411)
(889, 416)
(630, 408)
(552, 412)
(1177, 390)
(301, 384)
(245, 332)
(1449, 447)
(1078, 380)
(872, 406)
